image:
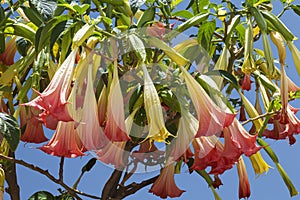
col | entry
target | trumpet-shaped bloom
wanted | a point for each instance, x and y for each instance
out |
(113, 153)
(157, 30)
(65, 142)
(7, 57)
(246, 82)
(187, 129)
(32, 126)
(165, 185)
(157, 129)
(115, 128)
(236, 137)
(89, 130)
(259, 164)
(284, 95)
(52, 101)
(244, 185)
(285, 130)
(211, 118)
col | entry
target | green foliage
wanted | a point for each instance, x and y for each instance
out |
(10, 130)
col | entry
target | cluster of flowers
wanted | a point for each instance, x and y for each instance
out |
(81, 122)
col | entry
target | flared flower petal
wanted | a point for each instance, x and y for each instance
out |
(31, 125)
(52, 101)
(65, 142)
(244, 185)
(240, 139)
(115, 129)
(113, 153)
(157, 129)
(165, 185)
(187, 129)
(211, 118)
(7, 57)
(89, 130)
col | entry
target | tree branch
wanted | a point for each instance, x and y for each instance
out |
(13, 188)
(70, 190)
(259, 116)
(61, 168)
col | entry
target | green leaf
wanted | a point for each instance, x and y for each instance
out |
(2, 14)
(183, 13)
(138, 46)
(147, 16)
(228, 76)
(296, 9)
(33, 15)
(10, 130)
(81, 9)
(241, 31)
(196, 20)
(234, 22)
(42, 195)
(205, 34)
(44, 33)
(24, 31)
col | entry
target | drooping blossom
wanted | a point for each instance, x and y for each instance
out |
(211, 118)
(115, 129)
(285, 130)
(65, 142)
(31, 125)
(89, 130)
(157, 29)
(7, 57)
(284, 94)
(157, 130)
(244, 185)
(279, 43)
(187, 129)
(165, 185)
(259, 164)
(113, 153)
(53, 100)
(246, 82)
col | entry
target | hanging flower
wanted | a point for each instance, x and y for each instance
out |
(259, 164)
(113, 153)
(244, 185)
(7, 57)
(32, 126)
(53, 100)
(65, 142)
(211, 118)
(115, 129)
(157, 29)
(236, 135)
(165, 185)
(187, 129)
(246, 82)
(284, 94)
(285, 130)
(157, 129)
(89, 130)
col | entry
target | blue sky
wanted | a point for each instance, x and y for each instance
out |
(268, 186)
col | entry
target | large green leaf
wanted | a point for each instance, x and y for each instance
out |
(138, 45)
(24, 31)
(205, 34)
(148, 16)
(10, 130)
(46, 8)
(42, 195)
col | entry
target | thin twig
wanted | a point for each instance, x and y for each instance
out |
(50, 176)
(259, 116)
(61, 168)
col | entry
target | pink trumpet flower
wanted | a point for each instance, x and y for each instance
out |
(113, 153)
(7, 57)
(89, 129)
(165, 185)
(65, 142)
(246, 82)
(292, 87)
(211, 118)
(285, 130)
(53, 100)
(32, 126)
(115, 129)
(244, 185)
